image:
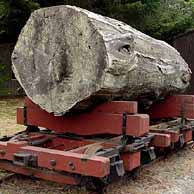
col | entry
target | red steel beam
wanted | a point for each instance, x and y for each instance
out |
(115, 107)
(131, 160)
(161, 140)
(174, 106)
(95, 166)
(67, 161)
(92, 123)
(39, 173)
(174, 135)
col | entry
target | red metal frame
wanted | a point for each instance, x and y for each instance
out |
(40, 173)
(51, 156)
(105, 119)
(64, 159)
(131, 161)
(174, 106)
(161, 140)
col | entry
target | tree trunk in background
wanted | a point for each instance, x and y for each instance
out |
(69, 58)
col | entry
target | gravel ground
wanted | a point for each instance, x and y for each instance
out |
(173, 175)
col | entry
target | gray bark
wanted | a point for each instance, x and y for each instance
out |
(67, 57)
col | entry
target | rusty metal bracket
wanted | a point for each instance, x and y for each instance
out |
(139, 143)
(25, 159)
(181, 140)
(119, 166)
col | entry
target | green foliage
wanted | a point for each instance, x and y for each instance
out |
(3, 74)
(3, 77)
(159, 18)
(171, 17)
(13, 16)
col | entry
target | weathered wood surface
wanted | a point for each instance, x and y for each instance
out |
(67, 57)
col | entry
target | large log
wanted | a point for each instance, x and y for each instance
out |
(67, 57)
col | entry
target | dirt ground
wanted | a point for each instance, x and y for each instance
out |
(8, 124)
(174, 175)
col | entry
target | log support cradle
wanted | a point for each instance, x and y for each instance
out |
(110, 140)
